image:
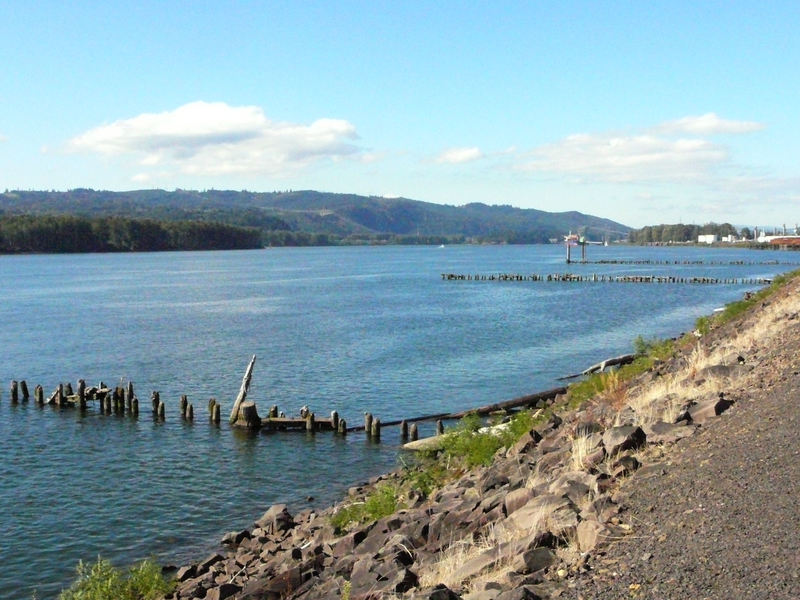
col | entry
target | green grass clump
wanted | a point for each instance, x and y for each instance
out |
(381, 502)
(102, 581)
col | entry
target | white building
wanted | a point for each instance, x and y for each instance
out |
(708, 238)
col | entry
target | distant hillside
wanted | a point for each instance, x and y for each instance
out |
(309, 217)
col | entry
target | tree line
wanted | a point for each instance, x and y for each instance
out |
(68, 233)
(680, 233)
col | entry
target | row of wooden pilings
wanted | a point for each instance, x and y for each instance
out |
(574, 277)
(372, 427)
(648, 261)
(119, 400)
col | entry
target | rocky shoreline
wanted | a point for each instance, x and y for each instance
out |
(538, 521)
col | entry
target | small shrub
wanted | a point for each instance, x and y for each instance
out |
(381, 502)
(101, 581)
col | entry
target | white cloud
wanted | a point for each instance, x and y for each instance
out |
(213, 138)
(627, 158)
(455, 156)
(3, 138)
(708, 124)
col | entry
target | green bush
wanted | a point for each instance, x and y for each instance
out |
(101, 581)
(381, 502)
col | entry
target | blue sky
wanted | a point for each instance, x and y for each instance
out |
(641, 112)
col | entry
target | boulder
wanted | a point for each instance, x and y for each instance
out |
(516, 499)
(590, 533)
(525, 444)
(626, 437)
(225, 590)
(276, 519)
(705, 410)
(667, 433)
(532, 560)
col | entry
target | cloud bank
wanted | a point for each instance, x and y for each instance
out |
(670, 152)
(455, 156)
(709, 124)
(214, 138)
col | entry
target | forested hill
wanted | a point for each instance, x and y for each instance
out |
(309, 217)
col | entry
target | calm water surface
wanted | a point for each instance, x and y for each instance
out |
(350, 329)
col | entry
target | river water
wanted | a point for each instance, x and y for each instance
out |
(350, 329)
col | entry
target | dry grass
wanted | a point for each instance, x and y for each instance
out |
(582, 447)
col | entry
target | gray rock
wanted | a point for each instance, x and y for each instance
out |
(532, 560)
(627, 437)
(516, 499)
(226, 590)
(703, 411)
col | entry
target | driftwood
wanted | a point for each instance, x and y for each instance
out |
(624, 359)
(248, 375)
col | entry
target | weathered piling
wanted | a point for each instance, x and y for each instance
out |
(162, 411)
(14, 391)
(60, 395)
(184, 405)
(273, 411)
(404, 430)
(414, 432)
(335, 420)
(190, 412)
(81, 391)
(368, 423)
(129, 395)
(240, 398)
(247, 416)
(376, 430)
(38, 394)
(155, 400)
(135, 407)
(68, 389)
(108, 400)
(23, 387)
(439, 427)
(216, 414)
(310, 422)
(342, 427)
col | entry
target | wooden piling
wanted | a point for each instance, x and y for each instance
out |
(414, 432)
(60, 395)
(38, 394)
(162, 411)
(439, 427)
(376, 430)
(184, 405)
(273, 411)
(23, 387)
(129, 395)
(334, 420)
(68, 389)
(310, 422)
(342, 427)
(14, 392)
(155, 399)
(81, 392)
(216, 414)
(190, 413)
(368, 423)
(135, 407)
(404, 430)
(248, 375)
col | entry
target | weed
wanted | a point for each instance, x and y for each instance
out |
(101, 581)
(381, 502)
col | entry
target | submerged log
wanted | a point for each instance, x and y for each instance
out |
(248, 375)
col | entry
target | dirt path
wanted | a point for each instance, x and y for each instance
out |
(720, 516)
